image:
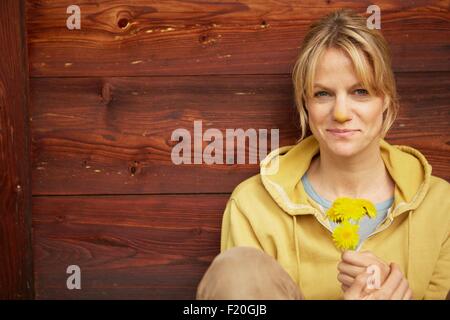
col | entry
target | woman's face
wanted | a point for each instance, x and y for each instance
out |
(340, 102)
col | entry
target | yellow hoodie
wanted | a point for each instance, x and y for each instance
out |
(271, 211)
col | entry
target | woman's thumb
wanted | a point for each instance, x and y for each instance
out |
(356, 290)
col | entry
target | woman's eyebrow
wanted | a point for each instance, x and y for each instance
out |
(318, 85)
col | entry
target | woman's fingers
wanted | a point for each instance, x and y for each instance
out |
(350, 269)
(345, 279)
(401, 290)
(354, 280)
(365, 259)
(408, 295)
(344, 287)
(391, 284)
(355, 265)
(355, 258)
(347, 282)
(355, 291)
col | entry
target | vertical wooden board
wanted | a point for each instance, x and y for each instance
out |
(16, 280)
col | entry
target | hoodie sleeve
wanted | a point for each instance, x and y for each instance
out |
(237, 229)
(440, 281)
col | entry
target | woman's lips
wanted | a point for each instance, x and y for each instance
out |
(342, 133)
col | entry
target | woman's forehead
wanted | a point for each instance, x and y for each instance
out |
(332, 59)
(335, 68)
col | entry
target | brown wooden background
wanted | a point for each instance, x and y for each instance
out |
(105, 99)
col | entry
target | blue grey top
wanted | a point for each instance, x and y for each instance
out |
(366, 224)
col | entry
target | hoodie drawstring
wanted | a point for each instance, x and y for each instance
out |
(296, 248)
(408, 268)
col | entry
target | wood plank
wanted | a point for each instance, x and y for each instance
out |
(127, 247)
(125, 144)
(220, 37)
(424, 119)
(16, 279)
(92, 140)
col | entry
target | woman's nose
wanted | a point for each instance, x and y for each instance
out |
(341, 112)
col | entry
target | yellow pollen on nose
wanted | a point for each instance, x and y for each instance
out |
(340, 117)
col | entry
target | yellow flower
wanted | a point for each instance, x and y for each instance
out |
(368, 207)
(340, 209)
(345, 236)
(344, 209)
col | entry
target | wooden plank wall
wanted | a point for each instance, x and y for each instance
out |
(105, 100)
(16, 274)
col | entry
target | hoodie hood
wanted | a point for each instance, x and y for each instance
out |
(282, 170)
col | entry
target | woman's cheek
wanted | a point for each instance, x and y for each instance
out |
(374, 123)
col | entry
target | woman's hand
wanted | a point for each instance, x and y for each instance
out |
(354, 263)
(395, 287)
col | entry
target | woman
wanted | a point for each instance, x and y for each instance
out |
(276, 241)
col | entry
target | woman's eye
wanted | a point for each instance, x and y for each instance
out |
(361, 92)
(321, 94)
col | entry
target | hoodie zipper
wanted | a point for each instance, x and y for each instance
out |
(391, 218)
(375, 232)
(321, 212)
(326, 227)
(381, 229)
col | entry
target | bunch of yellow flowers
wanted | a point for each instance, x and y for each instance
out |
(345, 211)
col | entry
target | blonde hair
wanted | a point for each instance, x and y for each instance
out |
(368, 50)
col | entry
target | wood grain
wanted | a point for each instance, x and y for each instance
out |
(79, 141)
(220, 37)
(127, 247)
(84, 145)
(16, 280)
(105, 100)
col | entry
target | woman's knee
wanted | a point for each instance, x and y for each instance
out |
(246, 273)
(239, 258)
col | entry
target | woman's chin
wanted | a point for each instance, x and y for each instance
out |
(345, 150)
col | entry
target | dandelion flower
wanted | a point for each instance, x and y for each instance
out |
(340, 210)
(347, 208)
(360, 207)
(345, 236)
(369, 208)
